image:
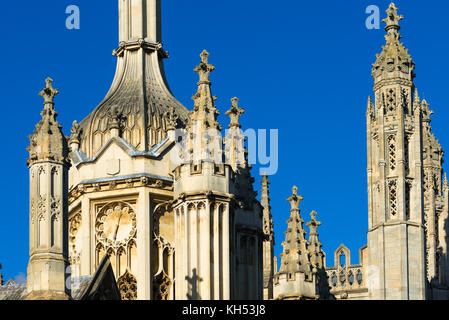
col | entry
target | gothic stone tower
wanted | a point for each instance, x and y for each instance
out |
(120, 180)
(170, 234)
(407, 213)
(217, 224)
(48, 163)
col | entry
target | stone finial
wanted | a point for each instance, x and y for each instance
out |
(116, 117)
(75, 130)
(313, 217)
(295, 199)
(204, 68)
(234, 113)
(392, 19)
(49, 93)
(75, 136)
(314, 223)
(426, 112)
(204, 56)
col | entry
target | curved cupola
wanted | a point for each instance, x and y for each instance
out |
(139, 99)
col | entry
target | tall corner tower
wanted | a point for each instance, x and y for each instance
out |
(49, 165)
(403, 223)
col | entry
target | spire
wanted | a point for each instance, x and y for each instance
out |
(316, 254)
(235, 139)
(265, 202)
(204, 111)
(416, 101)
(47, 141)
(295, 257)
(203, 126)
(394, 60)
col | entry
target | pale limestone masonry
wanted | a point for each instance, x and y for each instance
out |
(48, 163)
(112, 202)
(216, 220)
(301, 274)
(407, 232)
(408, 199)
(171, 231)
(346, 280)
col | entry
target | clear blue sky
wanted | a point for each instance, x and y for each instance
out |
(303, 67)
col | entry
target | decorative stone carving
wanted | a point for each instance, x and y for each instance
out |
(161, 286)
(74, 225)
(127, 285)
(48, 142)
(172, 119)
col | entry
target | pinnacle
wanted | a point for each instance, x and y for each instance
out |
(417, 95)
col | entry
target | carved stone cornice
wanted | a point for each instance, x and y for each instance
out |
(122, 183)
(133, 45)
(205, 195)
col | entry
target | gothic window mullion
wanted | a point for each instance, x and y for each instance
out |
(392, 197)
(391, 147)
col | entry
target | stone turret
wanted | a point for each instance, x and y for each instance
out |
(407, 244)
(295, 278)
(48, 164)
(217, 233)
(203, 203)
